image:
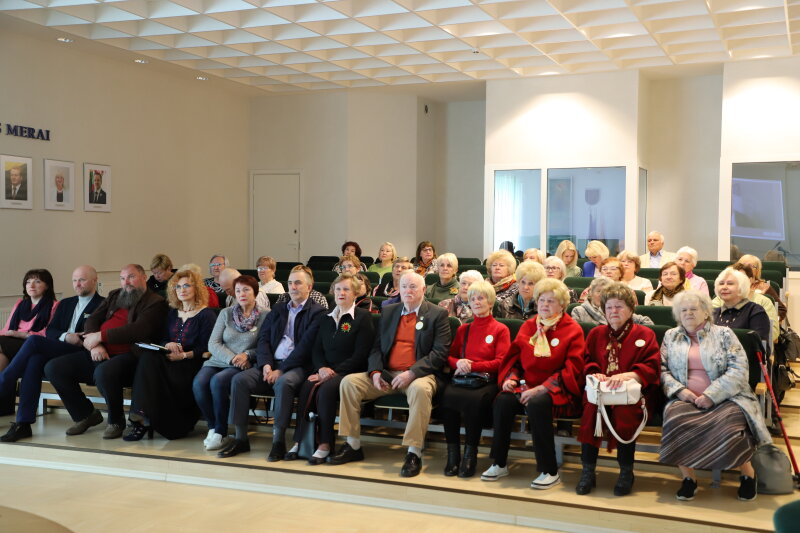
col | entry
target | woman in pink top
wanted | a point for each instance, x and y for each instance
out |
(686, 258)
(30, 315)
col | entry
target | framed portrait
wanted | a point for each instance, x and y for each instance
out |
(17, 182)
(97, 187)
(59, 185)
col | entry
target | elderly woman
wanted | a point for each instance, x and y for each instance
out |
(349, 264)
(267, 284)
(390, 285)
(478, 347)
(534, 254)
(363, 300)
(760, 285)
(425, 260)
(610, 268)
(522, 306)
(616, 352)
(596, 252)
(568, 253)
(233, 348)
(458, 306)
(541, 375)
(343, 343)
(631, 264)
(162, 386)
(383, 263)
(686, 258)
(447, 286)
(712, 420)
(672, 280)
(556, 269)
(732, 288)
(216, 265)
(502, 265)
(591, 310)
(756, 297)
(161, 267)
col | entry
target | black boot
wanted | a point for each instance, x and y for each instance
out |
(469, 461)
(453, 459)
(624, 481)
(588, 479)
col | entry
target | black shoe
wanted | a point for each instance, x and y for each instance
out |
(82, 425)
(412, 465)
(235, 447)
(687, 490)
(346, 454)
(278, 452)
(136, 431)
(16, 432)
(290, 456)
(315, 461)
(588, 480)
(468, 462)
(624, 484)
(453, 459)
(747, 488)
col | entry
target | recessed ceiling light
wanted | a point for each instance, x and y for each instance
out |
(64, 39)
(202, 78)
(548, 73)
(141, 61)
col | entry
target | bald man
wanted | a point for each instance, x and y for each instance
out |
(656, 257)
(62, 336)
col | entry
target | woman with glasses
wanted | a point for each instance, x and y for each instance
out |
(554, 267)
(631, 264)
(349, 264)
(267, 284)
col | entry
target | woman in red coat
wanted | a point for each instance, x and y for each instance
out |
(617, 352)
(542, 376)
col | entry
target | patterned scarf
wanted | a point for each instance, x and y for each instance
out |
(541, 348)
(662, 291)
(503, 284)
(615, 340)
(242, 323)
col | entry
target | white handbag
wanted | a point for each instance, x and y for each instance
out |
(629, 393)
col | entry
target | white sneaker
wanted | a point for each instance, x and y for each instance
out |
(545, 481)
(208, 437)
(216, 442)
(494, 473)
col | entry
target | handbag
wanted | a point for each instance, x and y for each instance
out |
(629, 393)
(470, 380)
(788, 344)
(308, 439)
(773, 470)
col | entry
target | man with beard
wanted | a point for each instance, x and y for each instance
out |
(129, 314)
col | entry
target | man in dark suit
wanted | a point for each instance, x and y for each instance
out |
(96, 193)
(16, 185)
(129, 314)
(407, 357)
(62, 337)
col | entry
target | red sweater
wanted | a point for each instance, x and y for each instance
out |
(487, 344)
(117, 320)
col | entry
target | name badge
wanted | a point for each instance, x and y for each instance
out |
(489, 339)
(639, 343)
(254, 329)
(419, 325)
(554, 343)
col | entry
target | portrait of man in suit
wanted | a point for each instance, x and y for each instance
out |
(17, 183)
(96, 193)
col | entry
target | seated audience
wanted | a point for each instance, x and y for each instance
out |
(542, 376)
(352, 248)
(161, 268)
(216, 265)
(283, 361)
(130, 314)
(522, 305)
(407, 358)
(447, 286)
(62, 337)
(616, 352)
(610, 268)
(555, 268)
(656, 256)
(233, 349)
(316, 296)
(458, 306)
(534, 254)
(162, 386)
(501, 266)
(568, 253)
(596, 252)
(389, 285)
(712, 420)
(760, 299)
(349, 264)
(761, 285)
(363, 300)
(631, 264)
(267, 284)
(591, 310)
(383, 263)
(686, 258)
(341, 347)
(425, 260)
(478, 347)
(672, 280)
(737, 311)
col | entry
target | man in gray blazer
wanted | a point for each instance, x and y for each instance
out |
(656, 256)
(409, 353)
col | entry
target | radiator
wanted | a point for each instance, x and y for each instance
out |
(4, 315)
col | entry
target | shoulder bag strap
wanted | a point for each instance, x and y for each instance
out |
(602, 409)
(464, 344)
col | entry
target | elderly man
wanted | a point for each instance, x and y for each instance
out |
(62, 337)
(130, 314)
(408, 356)
(656, 256)
(283, 360)
(16, 185)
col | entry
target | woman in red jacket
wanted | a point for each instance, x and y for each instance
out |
(542, 376)
(478, 347)
(617, 352)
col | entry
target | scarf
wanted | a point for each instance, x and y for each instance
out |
(422, 268)
(25, 313)
(504, 284)
(541, 348)
(662, 291)
(242, 323)
(615, 340)
(595, 313)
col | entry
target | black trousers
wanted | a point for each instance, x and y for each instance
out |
(472, 406)
(67, 372)
(540, 417)
(327, 404)
(625, 454)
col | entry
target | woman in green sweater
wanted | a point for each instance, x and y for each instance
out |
(447, 286)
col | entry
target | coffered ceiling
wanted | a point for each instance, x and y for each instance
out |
(291, 45)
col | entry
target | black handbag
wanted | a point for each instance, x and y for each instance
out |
(470, 380)
(308, 440)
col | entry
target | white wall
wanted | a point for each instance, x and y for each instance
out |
(177, 148)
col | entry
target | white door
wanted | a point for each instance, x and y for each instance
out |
(275, 208)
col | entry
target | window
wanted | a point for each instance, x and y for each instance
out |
(517, 208)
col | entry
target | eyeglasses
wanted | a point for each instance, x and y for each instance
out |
(260, 269)
(551, 268)
(216, 264)
(185, 286)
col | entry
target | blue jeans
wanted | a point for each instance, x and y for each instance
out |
(212, 389)
(28, 364)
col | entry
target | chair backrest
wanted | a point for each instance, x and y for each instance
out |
(430, 279)
(321, 265)
(777, 266)
(708, 274)
(326, 258)
(570, 307)
(273, 298)
(331, 299)
(773, 276)
(661, 314)
(479, 268)
(577, 283)
(713, 265)
(468, 261)
(751, 342)
(248, 272)
(660, 330)
(322, 286)
(325, 275)
(286, 265)
(586, 327)
(367, 260)
(640, 296)
(454, 325)
(651, 273)
(513, 325)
